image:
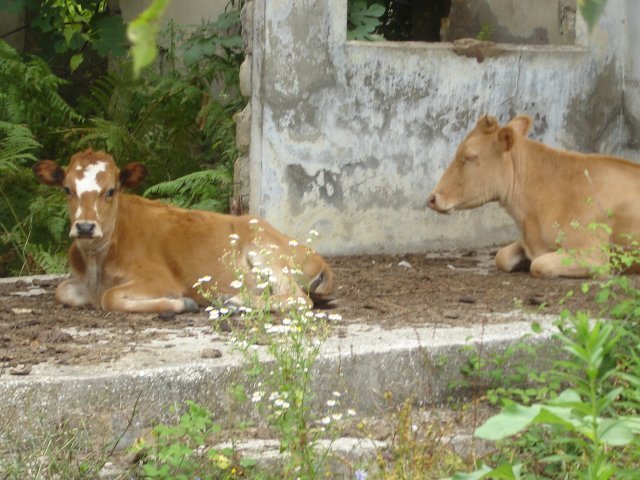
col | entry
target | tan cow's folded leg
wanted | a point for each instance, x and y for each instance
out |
(579, 265)
(512, 258)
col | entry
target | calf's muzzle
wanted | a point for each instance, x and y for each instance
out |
(83, 230)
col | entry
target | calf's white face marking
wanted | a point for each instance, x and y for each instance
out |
(89, 181)
(84, 185)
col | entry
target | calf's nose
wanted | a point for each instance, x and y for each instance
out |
(85, 228)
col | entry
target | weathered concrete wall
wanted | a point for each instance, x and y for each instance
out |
(348, 138)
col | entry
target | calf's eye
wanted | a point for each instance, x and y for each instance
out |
(66, 190)
(111, 192)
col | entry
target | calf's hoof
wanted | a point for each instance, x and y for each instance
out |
(190, 305)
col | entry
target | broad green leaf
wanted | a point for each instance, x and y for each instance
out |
(228, 19)
(591, 10)
(511, 420)
(503, 472)
(615, 432)
(76, 61)
(142, 33)
(234, 42)
(514, 418)
(567, 396)
(477, 475)
(68, 33)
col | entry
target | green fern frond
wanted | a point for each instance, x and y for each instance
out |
(16, 145)
(107, 135)
(35, 96)
(202, 190)
(47, 260)
(48, 209)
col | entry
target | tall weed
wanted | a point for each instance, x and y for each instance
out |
(590, 427)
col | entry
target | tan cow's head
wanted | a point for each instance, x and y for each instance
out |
(479, 169)
(92, 183)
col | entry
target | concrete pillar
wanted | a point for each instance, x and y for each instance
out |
(631, 105)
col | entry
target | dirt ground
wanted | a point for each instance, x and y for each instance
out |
(387, 290)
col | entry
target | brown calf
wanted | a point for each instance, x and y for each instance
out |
(554, 197)
(131, 254)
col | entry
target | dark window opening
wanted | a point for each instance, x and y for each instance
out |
(418, 20)
(543, 22)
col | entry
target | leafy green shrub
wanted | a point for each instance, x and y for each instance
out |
(183, 451)
(363, 18)
(70, 31)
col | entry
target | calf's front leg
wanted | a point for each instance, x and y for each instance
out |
(73, 292)
(137, 297)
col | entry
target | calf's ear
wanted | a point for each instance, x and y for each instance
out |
(506, 137)
(49, 173)
(132, 174)
(521, 124)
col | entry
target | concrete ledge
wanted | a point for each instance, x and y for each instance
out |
(138, 390)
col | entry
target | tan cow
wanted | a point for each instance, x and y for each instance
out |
(554, 196)
(131, 254)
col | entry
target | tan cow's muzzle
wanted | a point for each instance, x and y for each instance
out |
(436, 202)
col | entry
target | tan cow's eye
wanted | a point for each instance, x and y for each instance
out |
(111, 192)
(66, 190)
(470, 158)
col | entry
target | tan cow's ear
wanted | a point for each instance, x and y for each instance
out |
(506, 137)
(49, 173)
(521, 124)
(132, 174)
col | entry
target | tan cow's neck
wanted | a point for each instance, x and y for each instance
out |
(529, 178)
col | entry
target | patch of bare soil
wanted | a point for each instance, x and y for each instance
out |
(386, 290)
